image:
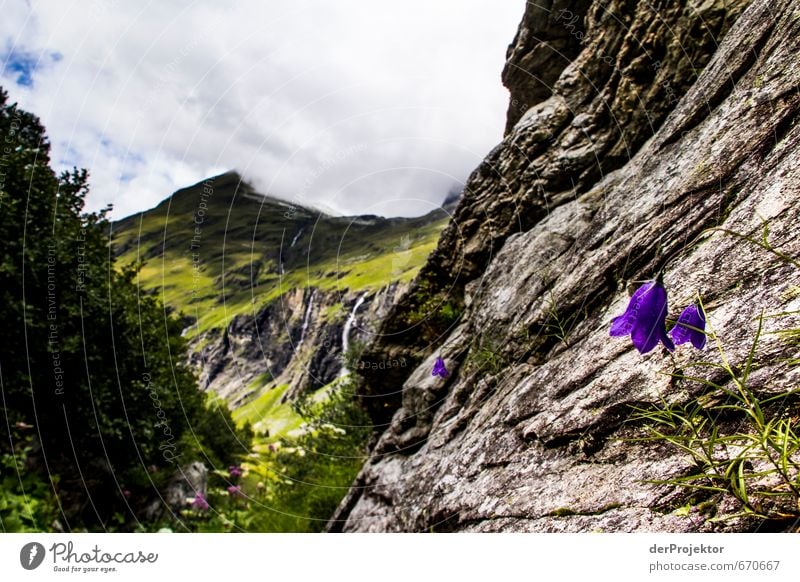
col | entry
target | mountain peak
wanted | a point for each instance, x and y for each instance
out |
(227, 187)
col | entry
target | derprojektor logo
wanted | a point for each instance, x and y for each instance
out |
(31, 555)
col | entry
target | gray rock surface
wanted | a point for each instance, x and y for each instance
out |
(600, 183)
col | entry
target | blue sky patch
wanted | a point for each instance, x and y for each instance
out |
(22, 65)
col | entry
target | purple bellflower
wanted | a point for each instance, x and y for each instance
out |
(644, 318)
(439, 369)
(235, 471)
(690, 327)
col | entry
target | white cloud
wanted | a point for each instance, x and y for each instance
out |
(357, 105)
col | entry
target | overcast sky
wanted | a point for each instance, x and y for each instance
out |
(356, 106)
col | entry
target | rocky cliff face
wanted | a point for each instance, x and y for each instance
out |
(300, 340)
(634, 128)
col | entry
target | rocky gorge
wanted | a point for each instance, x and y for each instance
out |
(301, 340)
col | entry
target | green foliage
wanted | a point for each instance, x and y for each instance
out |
(268, 414)
(558, 325)
(26, 500)
(757, 465)
(94, 359)
(435, 314)
(215, 435)
(296, 480)
(353, 354)
(316, 472)
(91, 360)
(486, 355)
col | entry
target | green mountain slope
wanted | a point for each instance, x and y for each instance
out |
(219, 249)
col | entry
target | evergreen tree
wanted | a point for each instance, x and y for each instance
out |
(95, 366)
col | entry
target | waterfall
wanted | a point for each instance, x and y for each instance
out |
(346, 333)
(306, 319)
(297, 236)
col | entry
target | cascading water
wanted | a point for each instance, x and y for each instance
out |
(346, 333)
(306, 319)
(297, 236)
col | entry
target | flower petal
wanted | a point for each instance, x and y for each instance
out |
(699, 340)
(680, 334)
(665, 339)
(644, 338)
(653, 304)
(641, 291)
(439, 369)
(690, 326)
(649, 327)
(699, 337)
(622, 325)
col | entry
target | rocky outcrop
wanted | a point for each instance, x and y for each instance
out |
(673, 119)
(548, 38)
(635, 64)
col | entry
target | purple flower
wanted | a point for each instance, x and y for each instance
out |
(235, 471)
(200, 501)
(439, 369)
(691, 317)
(644, 318)
(235, 491)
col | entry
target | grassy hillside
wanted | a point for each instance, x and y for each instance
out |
(218, 249)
